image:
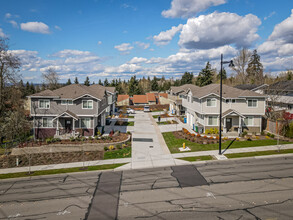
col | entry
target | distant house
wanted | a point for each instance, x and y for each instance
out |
(122, 100)
(175, 95)
(163, 99)
(70, 110)
(242, 110)
(151, 98)
(140, 100)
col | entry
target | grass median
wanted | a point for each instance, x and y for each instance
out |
(60, 171)
(174, 143)
(197, 158)
(259, 153)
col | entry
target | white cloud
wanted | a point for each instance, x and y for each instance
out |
(99, 42)
(135, 60)
(124, 48)
(35, 27)
(70, 53)
(218, 29)
(280, 42)
(14, 23)
(166, 36)
(270, 15)
(2, 33)
(189, 8)
(79, 60)
(8, 15)
(142, 45)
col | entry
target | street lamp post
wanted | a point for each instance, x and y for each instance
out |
(221, 85)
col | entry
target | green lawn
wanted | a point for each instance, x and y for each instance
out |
(156, 116)
(198, 158)
(120, 153)
(130, 116)
(130, 123)
(59, 171)
(166, 123)
(259, 153)
(174, 143)
(125, 123)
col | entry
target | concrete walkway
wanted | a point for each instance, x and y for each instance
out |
(149, 149)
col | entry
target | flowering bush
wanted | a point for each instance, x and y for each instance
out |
(198, 135)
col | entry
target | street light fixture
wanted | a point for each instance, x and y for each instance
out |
(231, 64)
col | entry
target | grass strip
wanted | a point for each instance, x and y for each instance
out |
(197, 158)
(259, 153)
(130, 116)
(174, 143)
(121, 153)
(59, 171)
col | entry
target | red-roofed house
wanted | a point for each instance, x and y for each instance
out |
(151, 98)
(140, 100)
(122, 100)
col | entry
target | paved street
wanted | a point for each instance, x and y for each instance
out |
(233, 189)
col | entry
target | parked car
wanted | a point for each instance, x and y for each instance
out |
(130, 111)
(146, 109)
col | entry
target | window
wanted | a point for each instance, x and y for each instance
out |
(47, 123)
(44, 104)
(87, 104)
(211, 102)
(212, 120)
(233, 100)
(188, 99)
(252, 103)
(227, 100)
(85, 123)
(248, 121)
(66, 102)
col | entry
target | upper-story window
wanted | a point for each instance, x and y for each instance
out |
(66, 102)
(87, 104)
(211, 102)
(44, 103)
(252, 103)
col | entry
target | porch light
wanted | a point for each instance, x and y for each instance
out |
(231, 64)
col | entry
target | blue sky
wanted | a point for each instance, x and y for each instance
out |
(117, 38)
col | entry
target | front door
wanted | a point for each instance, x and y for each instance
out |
(68, 125)
(228, 124)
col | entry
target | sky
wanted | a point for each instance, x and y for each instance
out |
(122, 38)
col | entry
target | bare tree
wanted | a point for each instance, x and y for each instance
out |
(9, 67)
(51, 77)
(241, 62)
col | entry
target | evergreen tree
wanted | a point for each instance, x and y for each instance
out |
(76, 80)
(224, 74)
(154, 84)
(68, 82)
(113, 83)
(94, 83)
(43, 87)
(32, 89)
(133, 86)
(255, 69)
(177, 82)
(187, 78)
(27, 89)
(205, 77)
(100, 82)
(87, 81)
(21, 88)
(106, 83)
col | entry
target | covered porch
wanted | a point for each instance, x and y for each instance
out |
(66, 124)
(232, 122)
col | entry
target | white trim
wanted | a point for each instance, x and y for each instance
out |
(42, 97)
(44, 100)
(89, 100)
(66, 100)
(252, 102)
(42, 115)
(211, 100)
(86, 95)
(61, 115)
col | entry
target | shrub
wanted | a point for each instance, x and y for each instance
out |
(225, 138)
(262, 133)
(244, 133)
(48, 140)
(106, 149)
(198, 135)
(124, 145)
(83, 138)
(248, 139)
(267, 137)
(207, 131)
(257, 137)
(72, 139)
(192, 135)
(77, 139)
(111, 147)
(99, 133)
(90, 138)
(97, 137)
(237, 139)
(211, 138)
(272, 135)
(217, 137)
(118, 146)
(205, 136)
(128, 132)
(269, 134)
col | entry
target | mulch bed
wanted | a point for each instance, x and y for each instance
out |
(194, 138)
(8, 161)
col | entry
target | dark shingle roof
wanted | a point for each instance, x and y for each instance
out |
(282, 86)
(246, 86)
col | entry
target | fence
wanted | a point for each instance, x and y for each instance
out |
(274, 127)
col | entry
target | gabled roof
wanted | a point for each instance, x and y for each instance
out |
(151, 97)
(74, 91)
(246, 86)
(122, 97)
(179, 89)
(140, 99)
(232, 112)
(165, 95)
(227, 92)
(282, 86)
(68, 113)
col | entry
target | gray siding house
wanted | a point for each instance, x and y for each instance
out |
(71, 110)
(242, 110)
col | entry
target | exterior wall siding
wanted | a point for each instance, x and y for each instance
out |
(42, 133)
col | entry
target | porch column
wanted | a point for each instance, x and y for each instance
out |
(73, 127)
(57, 130)
(225, 128)
(240, 126)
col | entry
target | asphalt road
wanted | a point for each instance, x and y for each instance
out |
(234, 189)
